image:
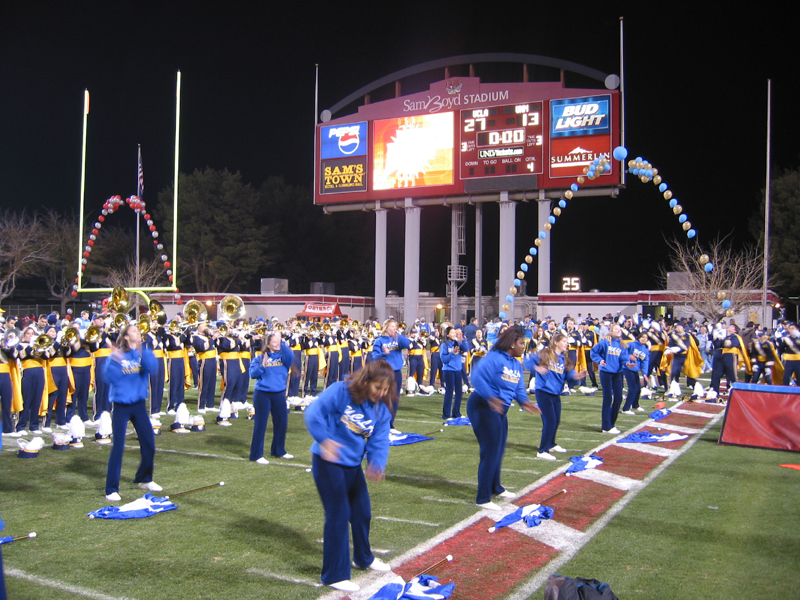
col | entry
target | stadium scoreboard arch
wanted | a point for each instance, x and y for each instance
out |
(463, 136)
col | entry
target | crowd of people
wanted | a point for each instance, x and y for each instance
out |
(350, 377)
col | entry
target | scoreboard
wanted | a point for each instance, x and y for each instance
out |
(464, 136)
(502, 140)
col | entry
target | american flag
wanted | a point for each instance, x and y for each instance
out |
(140, 187)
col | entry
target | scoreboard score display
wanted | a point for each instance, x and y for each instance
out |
(502, 140)
(464, 136)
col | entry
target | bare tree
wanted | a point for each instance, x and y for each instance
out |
(151, 274)
(736, 273)
(23, 247)
(60, 269)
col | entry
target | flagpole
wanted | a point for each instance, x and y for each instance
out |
(138, 240)
(83, 186)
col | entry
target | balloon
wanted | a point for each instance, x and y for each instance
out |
(557, 211)
(534, 251)
(574, 187)
(606, 168)
(509, 298)
(726, 304)
(672, 203)
(691, 233)
(682, 219)
(548, 226)
(709, 267)
(667, 195)
(524, 267)
(517, 282)
(581, 180)
(520, 275)
(506, 307)
(656, 178)
(635, 172)
(529, 259)
(662, 187)
(721, 295)
(551, 220)
(568, 194)
(730, 313)
(562, 203)
(687, 226)
(648, 172)
(513, 290)
(703, 259)
(542, 235)
(537, 242)
(502, 315)
(631, 163)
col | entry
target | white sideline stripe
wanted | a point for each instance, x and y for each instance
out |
(286, 578)
(675, 428)
(648, 448)
(552, 533)
(518, 471)
(408, 521)
(610, 479)
(538, 580)
(693, 413)
(446, 500)
(60, 585)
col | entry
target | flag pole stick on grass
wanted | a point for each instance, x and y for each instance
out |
(432, 432)
(32, 534)
(205, 487)
(447, 558)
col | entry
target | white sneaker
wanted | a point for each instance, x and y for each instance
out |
(489, 506)
(507, 494)
(150, 486)
(163, 414)
(171, 411)
(545, 456)
(262, 461)
(613, 431)
(557, 448)
(16, 434)
(345, 586)
(47, 430)
(201, 411)
(62, 427)
(287, 456)
(640, 409)
(213, 409)
(628, 412)
(89, 423)
(113, 497)
(36, 432)
(376, 565)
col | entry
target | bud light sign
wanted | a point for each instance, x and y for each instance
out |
(580, 116)
(343, 141)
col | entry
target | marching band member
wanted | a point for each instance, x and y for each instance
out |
(657, 339)
(293, 338)
(157, 378)
(10, 385)
(126, 371)
(416, 357)
(452, 353)
(732, 349)
(60, 377)
(765, 360)
(231, 364)
(639, 357)
(203, 341)
(436, 360)
(479, 349)
(245, 353)
(310, 344)
(175, 346)
(553, 367)
(343, 336)
(80, 363)
(588, 340)
(685, 356)
(270, 371)
(358, 344)
(610, 355)
(330, 342)
(498, 381)
(101, 349)
(790, 353)
(34, 383)
(350, 420)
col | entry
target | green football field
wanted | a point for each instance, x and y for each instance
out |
(718, 522)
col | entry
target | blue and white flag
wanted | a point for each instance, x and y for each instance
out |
(458, 421)
(531, 514)
(582, 463)
(146, 506)
(660, 414)
(407, 438)
(424, 587)
(645, 437)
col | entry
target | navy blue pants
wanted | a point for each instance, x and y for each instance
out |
(416, 368)
(32, 390)
(612, 398)
(102, 403)
(136, 413)
(312, 375)
(452, 394)
(157, 380)
(80, 398)
(177, 379)
(2, 579)
(294, 375)
(57, 400)
(244, 383)
(358, 363)
(233, 380)
(791, 368)
(344, 362)
(333, 369)
(491, 429)
(6, 391)
(634, 389)
(345, 498)
(267, 403)
(590, 367)
(436, 368)
(550, 405)
(207, 367)
(724, 367)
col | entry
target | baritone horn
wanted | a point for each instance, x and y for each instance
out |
(231, 308)
(145, 324)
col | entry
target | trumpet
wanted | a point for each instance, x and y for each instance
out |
(119, 322)
(93, 334)
(70, 337)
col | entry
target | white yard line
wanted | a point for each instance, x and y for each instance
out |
(62, 586)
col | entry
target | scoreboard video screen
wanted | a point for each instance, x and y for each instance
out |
(502, 140)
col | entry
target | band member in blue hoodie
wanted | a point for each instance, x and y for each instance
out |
(348, 421)
(639, 357)
(127, 372)
(498, 380)
(553, 366)
(452, 352)
(610, 355)
(271, 369)
(390, 347)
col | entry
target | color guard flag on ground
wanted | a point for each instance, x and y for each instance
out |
(146, 506)
(583, 463)
(532, 515)
(660, 414)
(424, 587)
(407, 438)
(644, 437)
(458, 421)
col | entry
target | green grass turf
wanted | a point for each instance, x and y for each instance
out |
(225, 541)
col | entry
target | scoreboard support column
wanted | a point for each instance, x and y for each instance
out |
(508, 236)
(412, 266)
(381, 219)
(544, 249)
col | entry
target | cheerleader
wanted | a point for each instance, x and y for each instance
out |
(452, 354)
(610, 355)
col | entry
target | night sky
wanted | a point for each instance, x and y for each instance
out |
(695, 99)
